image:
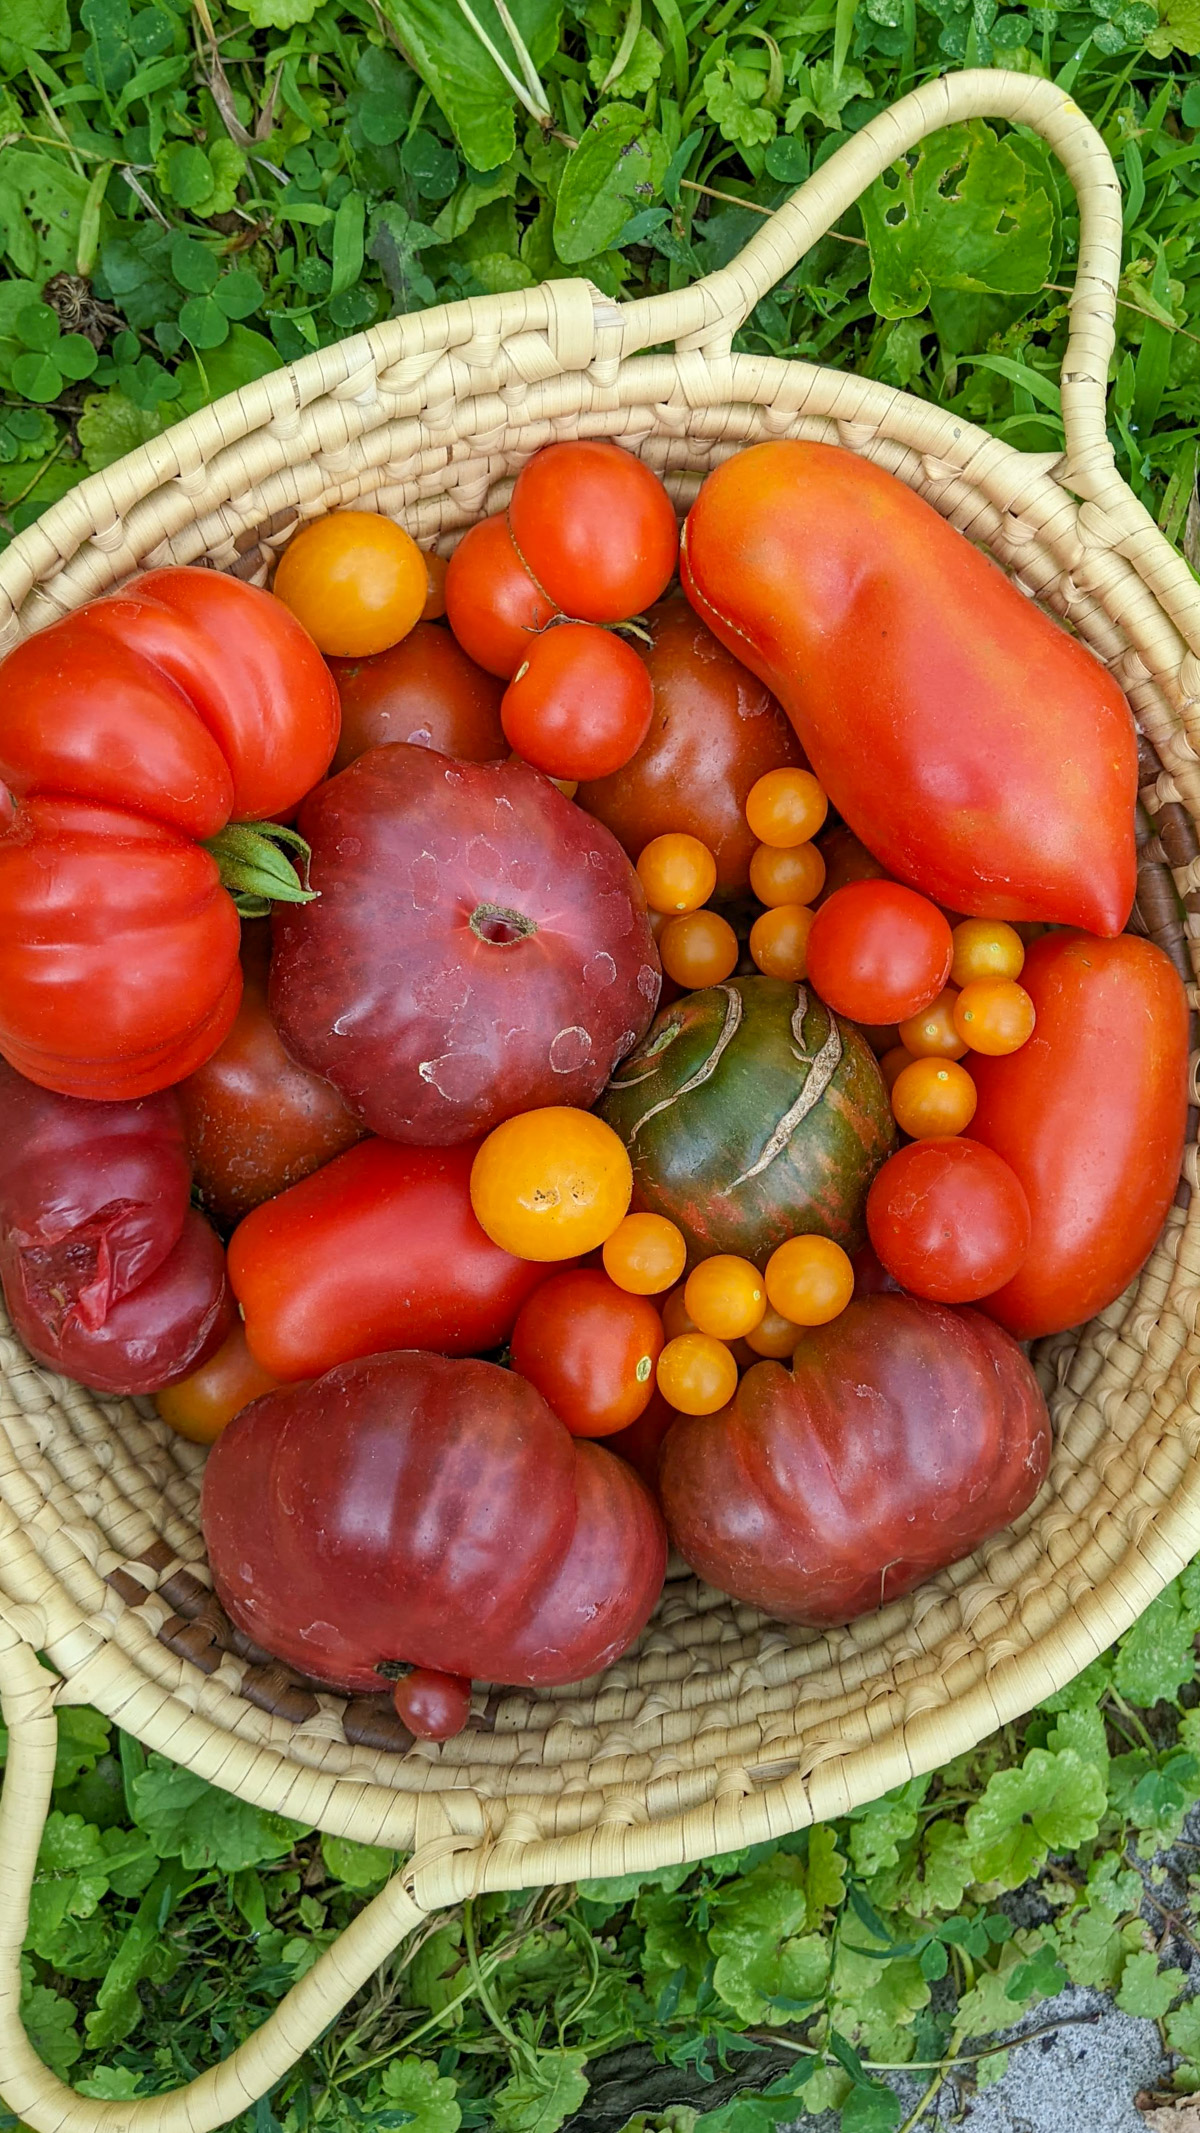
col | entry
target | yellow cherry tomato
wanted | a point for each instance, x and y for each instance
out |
(994, 1016)
(697, 1374)
(774, 1336)
(786, 807)
(893, 1063)
(551, 1184)
(809, 1280)
(699, 949)
(725, 1296)
(199, 1407)
(357, 582)
(645, 1255)
(779, 941)
(677, 872)
(794, 876)
(986, 948)
(932, 1097)
(933, 1033)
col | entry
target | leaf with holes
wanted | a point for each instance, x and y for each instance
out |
(617, 169)
(963, 211)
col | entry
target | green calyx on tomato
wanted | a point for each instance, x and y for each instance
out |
(255, 866)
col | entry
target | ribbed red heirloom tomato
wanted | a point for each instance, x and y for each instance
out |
(595, 528)
(949, 1219)
(425, 690)
(878, 952)
(409, 1507)
(580, 703)
(133, 731)
(492, 603)
(590, 1348)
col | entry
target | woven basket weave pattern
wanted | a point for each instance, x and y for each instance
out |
(720, 1728)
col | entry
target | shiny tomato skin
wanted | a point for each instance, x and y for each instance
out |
(379, 1249)
(425, 690)
(878, 953)
(595, 527)
(1091, 1114)
(949, 1219)
(714, 731)
(580, 703)
(640, 1445)
(580, 1339)
(492, 604)
(902, 1437)
(205, 1402)
(846, 859)
(257, 1122)
(983, 754)
(410, 1507)
(432, 1706)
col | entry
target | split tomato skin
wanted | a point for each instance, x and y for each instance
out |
(1091, 1114)
(425, 690)
(902, 1437)
(380, 1249)
(492, 604)
(595, 527)
(983, 754)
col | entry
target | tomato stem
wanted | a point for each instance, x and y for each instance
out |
(500, 926)
(258, 861)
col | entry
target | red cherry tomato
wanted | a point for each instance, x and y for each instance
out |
(492, 603)
(590, 1348)
(580, 703)
(949, 1219)
(878, 952)
(424, 690)
(596, 528)
(432, 1706)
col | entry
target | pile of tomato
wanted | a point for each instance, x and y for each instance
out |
(528, 1060)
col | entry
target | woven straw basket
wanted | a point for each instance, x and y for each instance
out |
(720, 1729)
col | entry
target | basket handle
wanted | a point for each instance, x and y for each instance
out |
(713, 309)
(28, 2087)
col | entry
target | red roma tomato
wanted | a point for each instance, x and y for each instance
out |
(1091, 1113)
(492, 603)
(432, 1706)
(878, 952)
(590, 1348)
(580, 703)
(595, 527)
(426, 691)
(134, 730)
(641, 1444)
(903, 1436)
(983, 754)
(949, 1219)
(255, 1121)
(714, 732)
(378, 1250)
(200, 1406)
(413, 1508)
(479, 947)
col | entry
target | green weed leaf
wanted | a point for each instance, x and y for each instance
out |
(964, 211)
(618, 168)
(541, 2093)
(187, 1819)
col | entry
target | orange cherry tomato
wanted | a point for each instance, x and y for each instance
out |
(675, 1316)
(792, 876)
(725, 1296)
(201, 1406)
(423, 690)
(699, 949)
(810, 1280)
(878, 952)
(580, 703)
(786, 807)
(986, 948)
(995, 1016)
(933, 1097)
(697, 1374)
(590, 1348)
(595, 527)
(779, 941)
(677, 872)
(933, 1033)
(893, 1063)
(492, 604)
(355, 580)
(436, 567)
(774, 1336)
(551, 1184)
(645, 1254)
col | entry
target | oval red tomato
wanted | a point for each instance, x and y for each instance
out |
(492, 603)
(590, 1348)
(424, 690)
(949, 1219)
(878, 952)
(580, 703)
(595, 527)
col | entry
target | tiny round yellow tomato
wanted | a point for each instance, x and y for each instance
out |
(933, 1034)
(774, 1336)
(786, 807)
(701, 948)
(645, 1255)
(986, 948)
(551, 1184)
(809, 1280)
(697, 1374)
(932, 1097)
(779, 941)
(355, 580)
(994, 1016)
(725, 1296)
(794, 876)
(677, 872)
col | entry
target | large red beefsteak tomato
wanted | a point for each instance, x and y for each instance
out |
(478, 946)
(130, 733)
(904, 1434)
(413, 1508)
